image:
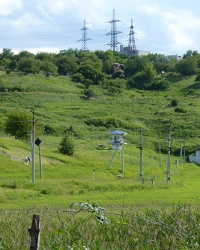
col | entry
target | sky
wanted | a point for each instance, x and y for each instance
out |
(169, 27)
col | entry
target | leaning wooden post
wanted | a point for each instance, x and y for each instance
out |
(34, 232)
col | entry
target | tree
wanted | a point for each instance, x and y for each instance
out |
(6, 58)
(67, 144)
(66, 64)
(91, 73)
(190, 53)
(29, 65)
(134, 65)
(187, 67)
(18, 124)
(25, 53)
(197, 79)
(144, 78)
(49, 68)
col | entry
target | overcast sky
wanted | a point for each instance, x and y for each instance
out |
(161, 26)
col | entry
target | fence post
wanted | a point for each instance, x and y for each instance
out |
(34, 232)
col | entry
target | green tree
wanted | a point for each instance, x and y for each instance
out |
(6, 58)
(91, 73)
(67, 144)
(90, 58)
(25, 53)
(78, 77)
(134, 65)
(197, 79)
(18, 124)
(66, 64)
(49, 68)
(187, 67)
(144, 78)
(29, 65)
(45, 56)
(190, 53)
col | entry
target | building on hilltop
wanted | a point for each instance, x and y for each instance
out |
(175, 57)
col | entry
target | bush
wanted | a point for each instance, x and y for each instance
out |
(18, 124)
(90, 93)
(67, 144)
(174, 103)
(180, 110)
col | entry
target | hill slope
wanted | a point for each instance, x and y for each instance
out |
(57, 104)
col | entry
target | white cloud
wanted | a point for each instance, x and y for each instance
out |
(183, 29)
(9, 6)
(149, 9)
(160, 26)
(58, 6)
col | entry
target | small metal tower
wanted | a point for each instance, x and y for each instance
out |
(84, 38)
(131, 40)
(113, 33)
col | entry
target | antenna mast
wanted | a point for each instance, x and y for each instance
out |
(84, 38)
(131, 40)
(113, 33)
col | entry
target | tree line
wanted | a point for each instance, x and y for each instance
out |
(112, 70)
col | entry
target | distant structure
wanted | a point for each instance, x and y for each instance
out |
(84, 38)
(175, 57)
(117, 139)
(131, 48)
(117, 142)
(113, 43)
(195, 158)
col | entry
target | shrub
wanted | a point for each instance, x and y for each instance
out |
(67, 144)
(180, 110)
(174, 103)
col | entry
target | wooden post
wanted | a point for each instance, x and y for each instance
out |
(34, 232)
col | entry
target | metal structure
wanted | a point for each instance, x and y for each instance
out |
(169, 150)
(84, 38)
(117, 142)
(33, 146)
(131, 40)
(113, 43)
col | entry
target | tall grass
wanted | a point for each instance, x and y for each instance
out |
(156, 228)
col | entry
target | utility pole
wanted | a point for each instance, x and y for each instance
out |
(184, 151)
(169, 149)
(84, 38)
(159, 148)
(33, 146)
(113, 43)
(38, 143)
(140, 152)
(181, 150)
(40, 160)
(122, 158)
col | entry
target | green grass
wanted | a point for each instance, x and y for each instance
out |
(57, 104)
(166, 213)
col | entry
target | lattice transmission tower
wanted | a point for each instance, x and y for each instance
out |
(113, 43)
(131, 40)
(84, 38)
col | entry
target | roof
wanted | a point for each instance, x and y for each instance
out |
(118, 132)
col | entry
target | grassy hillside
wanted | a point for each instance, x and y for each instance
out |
(85, 177)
